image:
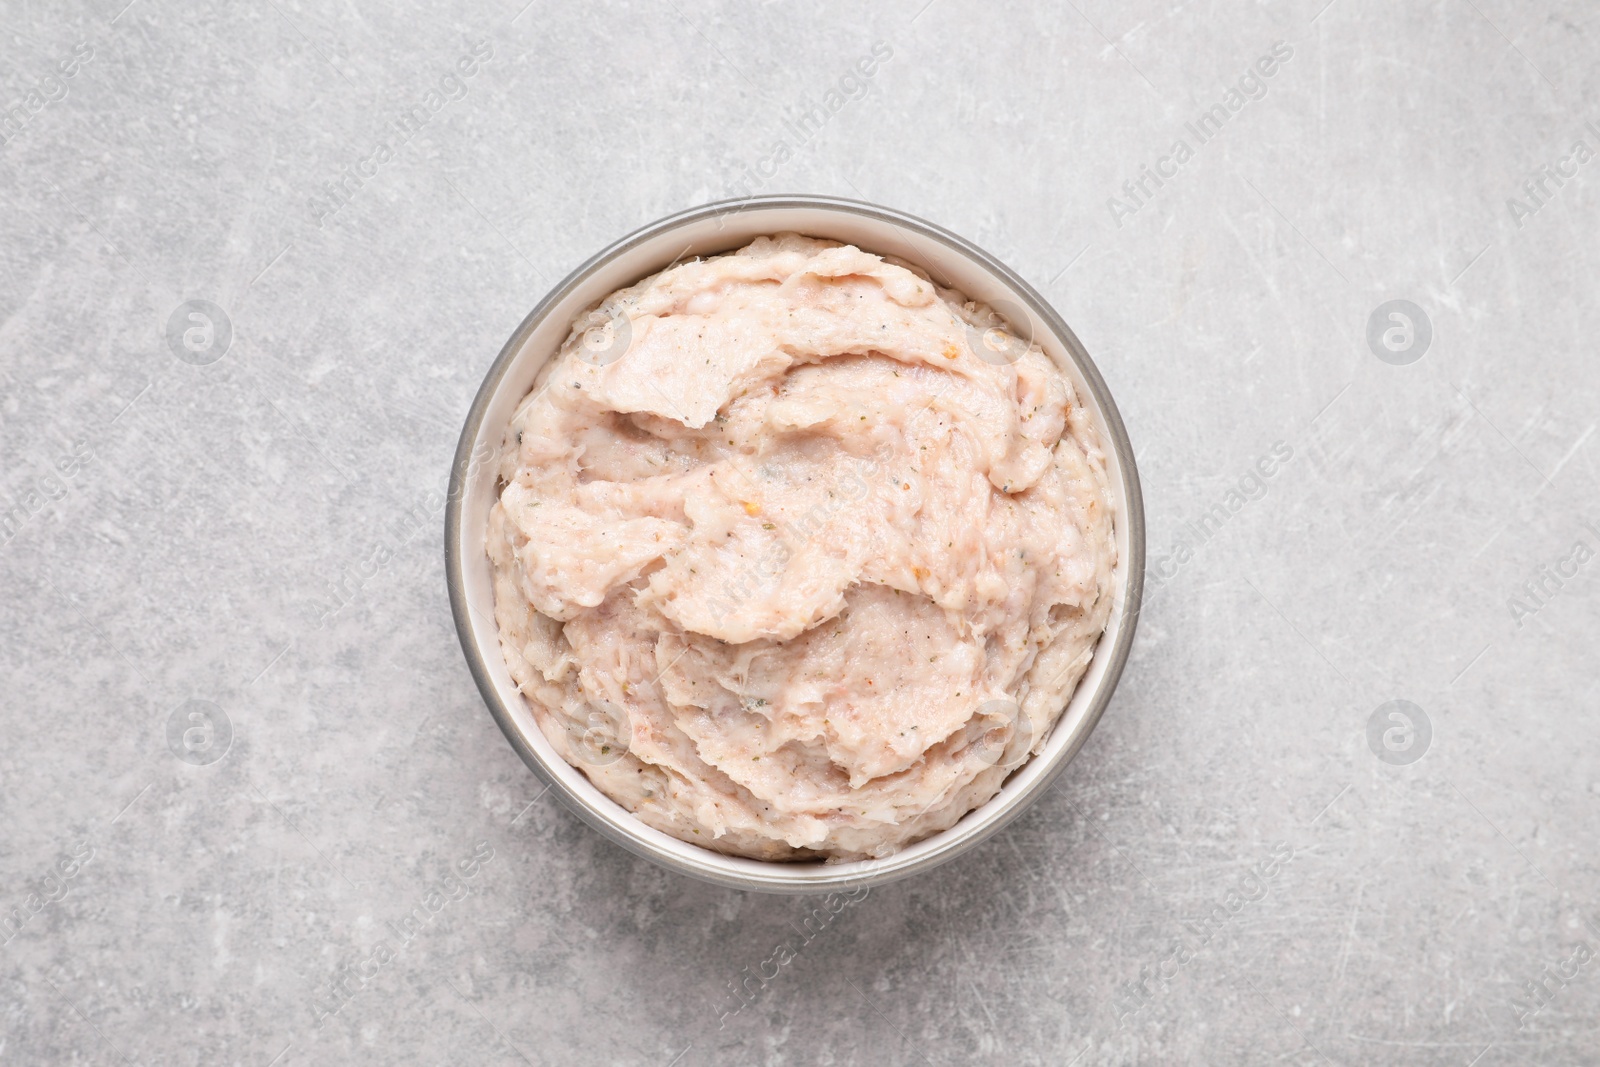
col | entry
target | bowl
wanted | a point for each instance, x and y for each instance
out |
(724, 227)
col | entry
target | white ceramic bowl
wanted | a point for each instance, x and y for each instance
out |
(706, 231)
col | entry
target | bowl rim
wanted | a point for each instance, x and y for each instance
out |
(850, 875)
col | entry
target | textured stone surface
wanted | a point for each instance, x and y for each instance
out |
(216, 501)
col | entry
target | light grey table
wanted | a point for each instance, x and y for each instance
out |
(254, 811)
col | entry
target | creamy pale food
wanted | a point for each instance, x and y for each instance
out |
(797, 555)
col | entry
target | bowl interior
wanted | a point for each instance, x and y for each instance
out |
(704, 232)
